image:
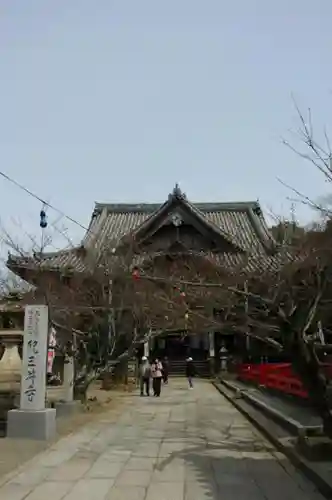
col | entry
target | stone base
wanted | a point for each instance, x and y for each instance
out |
(65, 409)
(315, 448)
(212, 366)
(38, 425)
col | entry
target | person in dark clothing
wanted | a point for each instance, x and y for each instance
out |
(165, 370)
(190, 372)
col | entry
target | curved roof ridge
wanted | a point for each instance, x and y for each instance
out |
(45, 255)
(260, 225)
(152, 207)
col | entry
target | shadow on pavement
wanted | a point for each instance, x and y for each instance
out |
(241, 471)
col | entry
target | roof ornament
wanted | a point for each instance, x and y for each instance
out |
(176, 219)
(177, 193)
(257, 209)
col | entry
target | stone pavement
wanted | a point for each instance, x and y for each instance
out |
(186, 445)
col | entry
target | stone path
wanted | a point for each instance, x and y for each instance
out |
(187, 445)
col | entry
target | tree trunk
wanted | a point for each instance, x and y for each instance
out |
(307, 366)
(121, 372)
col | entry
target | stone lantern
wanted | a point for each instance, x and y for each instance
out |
(10, 356)
(223, 355)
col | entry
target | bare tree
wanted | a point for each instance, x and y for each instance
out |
(285, 305)
(95, 310)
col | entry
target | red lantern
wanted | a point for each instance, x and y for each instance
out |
(179, 291)
(135, 274)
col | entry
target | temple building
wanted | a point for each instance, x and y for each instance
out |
(224, 236)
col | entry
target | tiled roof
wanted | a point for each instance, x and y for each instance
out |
(65, 259)
(241, 223)
(230, 261)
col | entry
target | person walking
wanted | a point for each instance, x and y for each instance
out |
(165, 370)
(144, 376)
(157, 374)
(190, 372)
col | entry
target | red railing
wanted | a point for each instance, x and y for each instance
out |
(276, 376)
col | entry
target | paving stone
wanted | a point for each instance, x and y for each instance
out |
(147, 451)
(205, 491)
(134, 478)
(169, 448)
(168, 491)
(31, 475)
(113, 455)
(104, 469)
(55, 457)
(171, 472)
(72, 470)
(90, 489)
(185, 445)
(243, 492)
(14, 491)
(126, 493)
(50, 490)
(286, 489)
(138, 463)
(200, 475)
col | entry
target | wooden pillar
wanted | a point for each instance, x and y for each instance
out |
(211, 354)
(246, 310)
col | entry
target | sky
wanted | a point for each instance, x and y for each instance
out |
(116, 101)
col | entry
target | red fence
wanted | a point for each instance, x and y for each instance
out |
(276, 376)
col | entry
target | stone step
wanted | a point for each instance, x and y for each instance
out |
(178, 368)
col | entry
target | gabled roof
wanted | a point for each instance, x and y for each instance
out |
(241, 223)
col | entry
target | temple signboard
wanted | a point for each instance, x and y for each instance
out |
(35, 345)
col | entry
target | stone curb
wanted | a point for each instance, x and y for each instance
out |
(323, 486)
(289, 423)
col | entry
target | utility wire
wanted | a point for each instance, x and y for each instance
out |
(45, 203)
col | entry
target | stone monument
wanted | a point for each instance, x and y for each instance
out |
(33, 420)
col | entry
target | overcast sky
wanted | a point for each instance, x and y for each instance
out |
(116, 101)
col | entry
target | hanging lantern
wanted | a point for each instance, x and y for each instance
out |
(181, 292)
(135, 274)
(43, 220)
(186, 316)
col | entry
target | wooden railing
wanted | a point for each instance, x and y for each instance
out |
(277, 376)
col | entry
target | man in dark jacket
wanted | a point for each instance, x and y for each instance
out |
(190, 372)
(165, 370)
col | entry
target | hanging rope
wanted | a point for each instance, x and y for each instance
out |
(45, 204)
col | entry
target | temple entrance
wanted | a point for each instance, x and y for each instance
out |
(179, 347)
(176, 347)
